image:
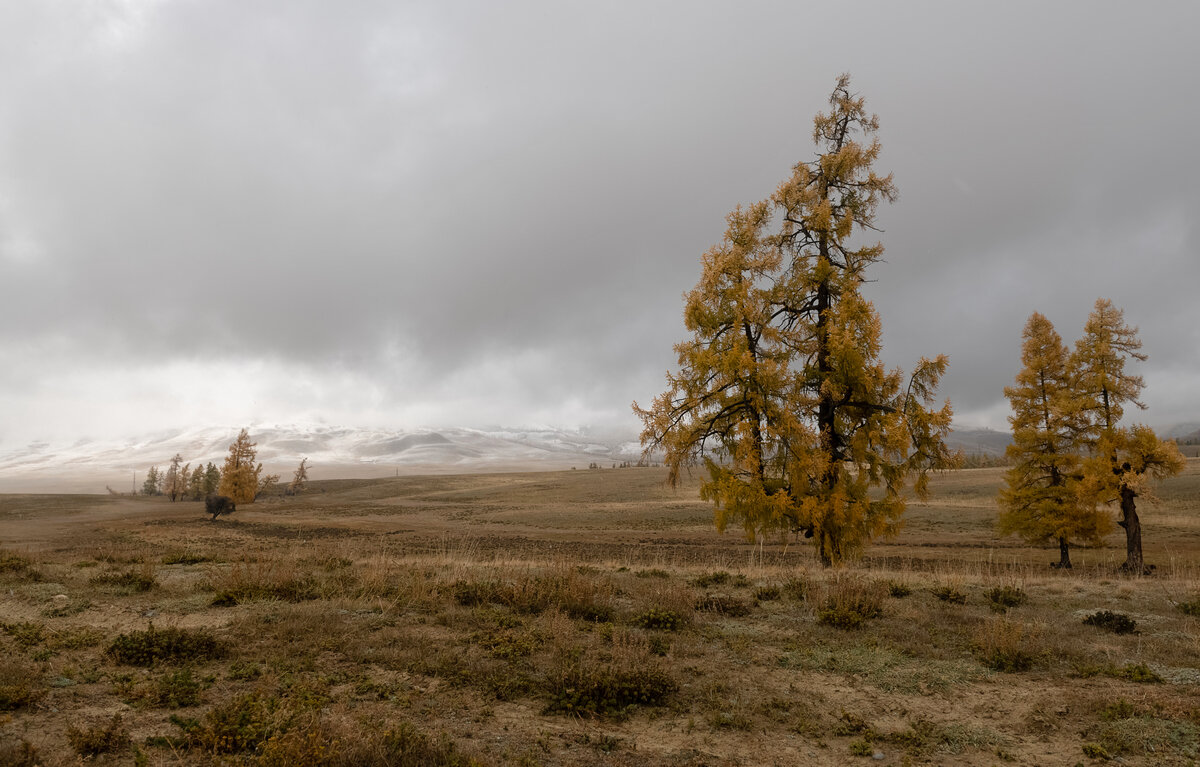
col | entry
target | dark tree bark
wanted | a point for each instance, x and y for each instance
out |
(1064, 555)
(1134, 563)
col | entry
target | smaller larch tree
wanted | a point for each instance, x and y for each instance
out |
(1123, 461)
(173, 482)
(150, 486)
(1041, 500)
(299, 478)
(240, 477)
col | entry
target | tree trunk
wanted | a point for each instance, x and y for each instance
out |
(1064, 555)
(824, 550)
(1134, 563)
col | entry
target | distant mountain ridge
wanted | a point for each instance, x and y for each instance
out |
(338, 451)
(90, 465)
(987, 442)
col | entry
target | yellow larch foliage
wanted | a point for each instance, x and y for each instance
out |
(1122, 462)
(1041, 500)
(239, 477)
(780, 392)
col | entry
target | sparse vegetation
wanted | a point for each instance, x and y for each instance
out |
(20, 683)
(949, 593)
(1007, 645)
(100, 739)
(850, 602)
(517, 642)
(129, 581)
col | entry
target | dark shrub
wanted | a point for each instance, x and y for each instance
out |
(1002, 598)
(597, 691)
(1117, 623)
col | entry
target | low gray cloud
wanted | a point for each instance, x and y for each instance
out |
(488, 213)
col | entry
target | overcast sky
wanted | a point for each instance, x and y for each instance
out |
(481, 213)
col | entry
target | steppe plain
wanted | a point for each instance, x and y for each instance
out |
(582, 617)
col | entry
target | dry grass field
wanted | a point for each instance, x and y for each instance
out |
(585, 617)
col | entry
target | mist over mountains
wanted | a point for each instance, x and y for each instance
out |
(333, 451)
(88, 466)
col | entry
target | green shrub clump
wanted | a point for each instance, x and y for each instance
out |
(720, 579)
(768, 593)
(25, 633)
(850, 603)
(604, 691)
(1002, 598)
(1118, 623)
(1191, 607)
(898, 589)
(243, 724)
(171, 645)
(659, 619)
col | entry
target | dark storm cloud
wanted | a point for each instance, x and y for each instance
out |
(497, 206)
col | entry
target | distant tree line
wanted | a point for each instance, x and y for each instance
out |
(241, 479)
(182, 483)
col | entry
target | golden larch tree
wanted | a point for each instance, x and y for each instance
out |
(780, 391)
(239, 477)
(1041, 498)
(1122, 461)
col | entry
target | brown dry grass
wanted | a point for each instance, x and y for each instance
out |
(588, 617)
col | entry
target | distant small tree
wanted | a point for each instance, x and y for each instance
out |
(172, 483)
(299, 478)
(150, 486)
(216, 505)
(195, 484)
(239, 478)
(265, 483)
(212, 479)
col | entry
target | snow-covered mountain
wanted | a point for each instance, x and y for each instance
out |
(337, 452)
(90, 465)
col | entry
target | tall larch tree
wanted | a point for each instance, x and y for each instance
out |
(1123, 460)
(239, 477)
(1041, 499)
(780, 391)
